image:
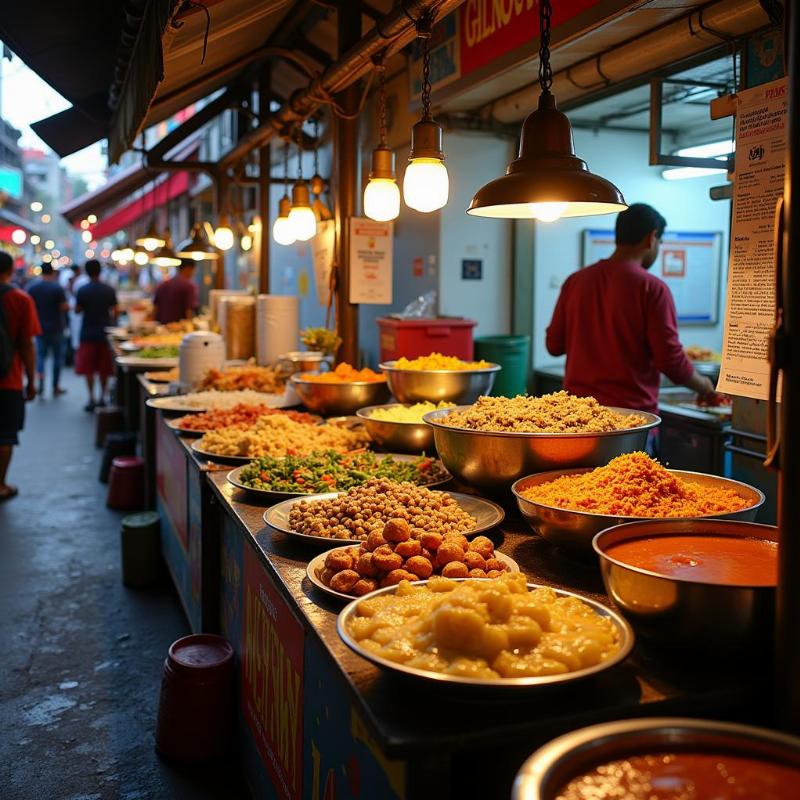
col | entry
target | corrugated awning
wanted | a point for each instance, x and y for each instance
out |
(167, 189)
(124, 183)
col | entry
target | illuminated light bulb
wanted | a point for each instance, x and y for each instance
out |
(247, 242)
(49, 244)
(140, 257)
(127, 253)
(85, 224)
(35, 239)
(382, 199)
(223, 235)
(86, 236)
(36, 206)
(47, 258)
(91, 219)
(547, 212)
(18, 236)
(151, 240)
(45, 218)
(301, 218)
(281, 228)
(426, 184)
(90, 253)
(115, 255)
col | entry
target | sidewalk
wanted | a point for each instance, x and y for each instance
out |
(81, 653)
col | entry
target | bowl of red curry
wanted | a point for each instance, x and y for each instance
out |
(704, 585)
(663, 759)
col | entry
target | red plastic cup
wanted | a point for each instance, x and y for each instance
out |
(196, 703)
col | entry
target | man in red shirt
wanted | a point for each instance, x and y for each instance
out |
(21, 324)
(177, 298)
(617, 323)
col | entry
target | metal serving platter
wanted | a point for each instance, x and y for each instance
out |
(488, 515)
(233, 478)
(138, 361)
(317, 565)
(173, 423)
(173, 403)
(503, 685)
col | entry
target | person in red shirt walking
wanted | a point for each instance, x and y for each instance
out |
(17, 355)
(177, 298)
(617, 324)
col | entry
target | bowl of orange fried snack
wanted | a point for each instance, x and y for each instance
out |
(341, 391)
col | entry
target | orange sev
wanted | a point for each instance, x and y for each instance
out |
(635, 485)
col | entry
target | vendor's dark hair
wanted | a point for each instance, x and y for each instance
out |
(6, 262)
(636, 222)
(93, 268)
(47, 268)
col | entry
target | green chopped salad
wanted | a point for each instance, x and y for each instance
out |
(330, 471)
(167, 351)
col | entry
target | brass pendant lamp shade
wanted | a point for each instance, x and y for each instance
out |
(165, 255)
(547, 177)
(198, 246)
(547, 181)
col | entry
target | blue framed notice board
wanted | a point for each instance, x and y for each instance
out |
(689, 263)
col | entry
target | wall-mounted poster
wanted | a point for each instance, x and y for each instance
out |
(688, 262)
(371, 261)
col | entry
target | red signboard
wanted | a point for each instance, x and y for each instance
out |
(273, 643)
(489, 29)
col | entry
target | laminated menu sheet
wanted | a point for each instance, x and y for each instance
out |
(750, 302)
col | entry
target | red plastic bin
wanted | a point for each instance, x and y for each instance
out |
(451, 336)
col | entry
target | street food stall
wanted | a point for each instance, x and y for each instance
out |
(423, 582)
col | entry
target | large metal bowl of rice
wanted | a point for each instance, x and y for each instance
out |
(493, 460)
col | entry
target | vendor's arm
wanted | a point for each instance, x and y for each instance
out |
(668, 352)
(556, 336)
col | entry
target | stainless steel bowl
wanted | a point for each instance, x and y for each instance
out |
(338, 398)
(551, 767)
(492, 460)
(437, 385)
(503, 685)
(574, 530)
(676, 612)
(398, 437)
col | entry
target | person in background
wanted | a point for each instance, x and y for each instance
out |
(51, 305)
(617, 323)
(66, 277)
(19, 325)
(178, 297)
(97, 301)
(76, 320)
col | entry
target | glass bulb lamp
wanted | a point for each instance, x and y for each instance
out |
(426, 185)
(282, 228)
(381, 194)
(301, 217)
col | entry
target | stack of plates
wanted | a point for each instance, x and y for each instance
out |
(277, 326)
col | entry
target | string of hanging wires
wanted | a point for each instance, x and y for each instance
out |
(545, 68)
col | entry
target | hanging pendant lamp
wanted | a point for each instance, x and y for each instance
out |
(165, 255)
(302, 221)
(152, 240)
(281, 228)
(381, 194)
(547, 181)
(198, 246)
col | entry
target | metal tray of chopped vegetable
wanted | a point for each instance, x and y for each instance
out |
(279, 478)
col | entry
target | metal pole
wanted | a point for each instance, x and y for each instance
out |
(787, 684)
(264, 167)
(220, 188)
(345, 147)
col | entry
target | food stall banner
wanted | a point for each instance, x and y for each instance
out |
(322, 247)
(750, 303)
(371, 246)
(273, 643)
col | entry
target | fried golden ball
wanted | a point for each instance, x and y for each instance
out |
(326, 575)
(364, 586)
(482, 545)
(408, 549)
(375, 540)
(397, 575)
(345, 580)
(493, 573)
(455, 569)
(475, 560)
(365, 567)
(385, 559)
(495, 564)
(430, 540)
(337, 560)
(420, 566)
(449, 551)
(477, 573)
(459, 538)
(396, 530)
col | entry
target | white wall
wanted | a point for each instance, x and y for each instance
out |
(472, 160)
(622, 158)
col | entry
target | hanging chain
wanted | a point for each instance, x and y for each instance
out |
(424, 33)
(382, 126)
(286, 167)
(299, 143)
(545, 70)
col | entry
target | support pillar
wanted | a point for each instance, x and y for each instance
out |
(220, 191)
(345, 155)
(264, 169)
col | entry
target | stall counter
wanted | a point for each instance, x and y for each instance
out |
(350, 725)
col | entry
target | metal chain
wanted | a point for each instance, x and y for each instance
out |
(424, 33)
(382, 125)
(316, 145)
(545, 70)
(299, 143)
(286, 166)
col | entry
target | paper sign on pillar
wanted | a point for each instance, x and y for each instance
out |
(750, 303)
(371, 261)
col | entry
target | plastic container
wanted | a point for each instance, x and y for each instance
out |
(513, 355)
(198, 353)
(451, 336)
(126, 484)
(116, 444)
(196, 703)
(108, 419)
(139, 544)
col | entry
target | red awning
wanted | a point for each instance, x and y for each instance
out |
(169, 188)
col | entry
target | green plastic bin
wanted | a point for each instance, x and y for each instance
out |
(512, 353)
